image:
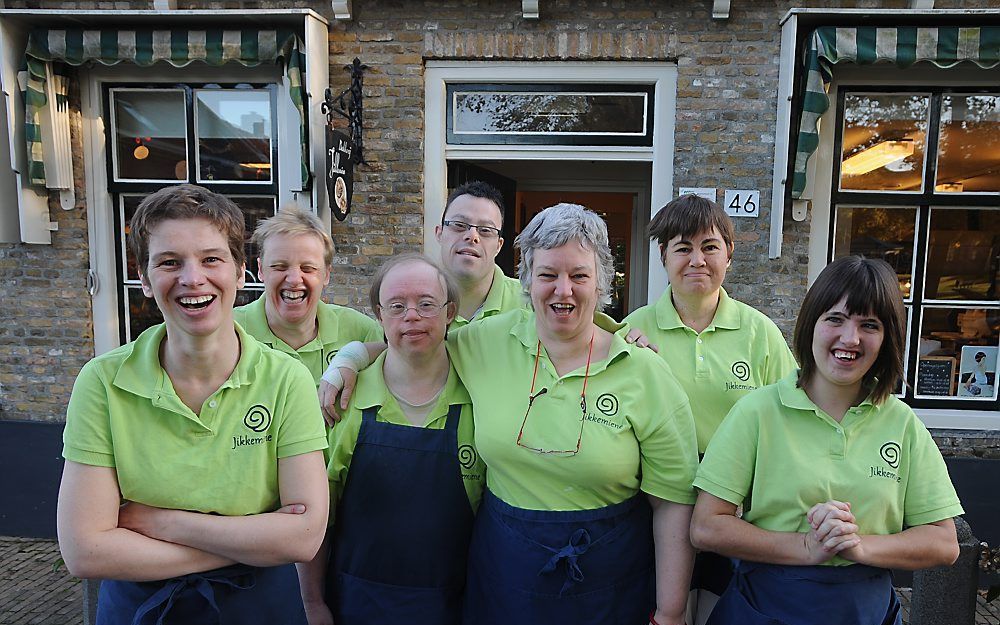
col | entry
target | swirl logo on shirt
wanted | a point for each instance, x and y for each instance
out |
(741, 370)
(890, 453)
(258, 418)
(608, 404)
(329, 357)
(467, 456)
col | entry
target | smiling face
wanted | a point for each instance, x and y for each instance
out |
(294, 273)
(412, 284)
(696, 266)
(845, 347)
(192, 276)
(467, 255)
(564, 290)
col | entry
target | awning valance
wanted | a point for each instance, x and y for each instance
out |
(145, 47)
(902, 46)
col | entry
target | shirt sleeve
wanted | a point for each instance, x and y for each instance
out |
(668, 446)
(930, 495)
(87, 437)
(727, 469)
(302, 428)
(343, 438)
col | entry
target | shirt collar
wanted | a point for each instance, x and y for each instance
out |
(372, 391)
(326, 319)
(526, 332)
(793, 396)
(727, 315)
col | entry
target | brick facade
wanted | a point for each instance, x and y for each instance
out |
(724, 138)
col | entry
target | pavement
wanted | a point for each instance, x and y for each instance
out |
(35, 589)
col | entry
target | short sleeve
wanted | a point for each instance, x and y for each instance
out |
(727, 469)
(374, 333)
(302, 429)
(780, 361)
(930, 495)
(668, 446)
(87, 437)
(343, 438)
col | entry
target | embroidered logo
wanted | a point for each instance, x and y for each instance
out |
(258, 418)
(608, 404)
(890, 454)
(741, 370)
(467, 456)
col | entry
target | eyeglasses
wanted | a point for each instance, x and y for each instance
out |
(460, 227)
(398, 310)
(532, 396)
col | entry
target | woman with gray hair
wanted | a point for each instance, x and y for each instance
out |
(589, 444)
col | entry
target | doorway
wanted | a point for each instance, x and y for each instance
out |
(617, 191)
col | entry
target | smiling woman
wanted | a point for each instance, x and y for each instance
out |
(183, 394)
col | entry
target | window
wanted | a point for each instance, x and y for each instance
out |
(919, 186)
(223, 137)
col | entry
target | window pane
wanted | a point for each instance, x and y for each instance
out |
(962, 254)
(233, 127)
(509, 112)
(254, 209)
(885, 233)
(969, 150)
(150, 130)
(883, 142)
(958, 353)
(129, 204)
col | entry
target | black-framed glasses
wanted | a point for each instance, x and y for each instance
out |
(397, 310)
(460, 227)
(564, 452)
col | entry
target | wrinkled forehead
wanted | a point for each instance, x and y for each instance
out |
(413, 279)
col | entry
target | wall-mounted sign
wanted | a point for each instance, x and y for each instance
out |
(339, 172)
(709, 193)
(742, 203)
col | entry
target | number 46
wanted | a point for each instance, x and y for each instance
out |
(742, 202)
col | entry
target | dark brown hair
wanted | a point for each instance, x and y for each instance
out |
(476, 188)
(687, 216)
(186, 201)
(450, 286)
(871, 288)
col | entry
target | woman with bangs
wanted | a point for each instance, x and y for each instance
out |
(840, 481)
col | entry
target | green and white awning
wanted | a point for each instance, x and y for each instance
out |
(145, 47)
(901, 46)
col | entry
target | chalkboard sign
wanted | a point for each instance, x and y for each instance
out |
(936, 376)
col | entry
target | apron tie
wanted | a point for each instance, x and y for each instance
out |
(200, 583)
(578, 545)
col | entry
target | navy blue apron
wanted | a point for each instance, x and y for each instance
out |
(770, 594)
(401, 536)
(535, 567)
(233, 595)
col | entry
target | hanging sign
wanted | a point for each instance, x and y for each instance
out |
(339, 172)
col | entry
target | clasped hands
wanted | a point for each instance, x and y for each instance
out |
(833, 532)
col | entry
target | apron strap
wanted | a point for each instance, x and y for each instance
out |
(201, 583)
(454, 415)
(368, 414)
(579, 543)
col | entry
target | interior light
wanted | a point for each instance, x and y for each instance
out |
(949, 187)
(879, 155)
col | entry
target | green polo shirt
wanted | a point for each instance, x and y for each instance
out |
(125, 414)
(777, 447)
(741, 350)
(505, 294)
(637, 432)
(338, 326)
(372, 391)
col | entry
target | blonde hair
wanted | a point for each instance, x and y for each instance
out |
(293, 221)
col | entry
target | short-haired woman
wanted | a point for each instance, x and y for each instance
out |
(203, 432)
(841, 480)
(719, 348)
(589, 445)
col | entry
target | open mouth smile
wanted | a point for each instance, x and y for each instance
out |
(293, 297)
(845, 356)
(195, 302)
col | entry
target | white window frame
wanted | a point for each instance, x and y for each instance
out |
(821, 181)
(437, 152)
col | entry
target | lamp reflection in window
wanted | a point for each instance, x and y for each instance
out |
(879, 155)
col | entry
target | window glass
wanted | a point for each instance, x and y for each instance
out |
(958, 353)
(884, 139)
(969, 147)
(878, 232)
(150, 130)
(233, 127)
(254, 209)
(962, 254)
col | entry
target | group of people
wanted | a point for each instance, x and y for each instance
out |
(496, 450)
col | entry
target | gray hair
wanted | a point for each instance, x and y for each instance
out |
(558, 225)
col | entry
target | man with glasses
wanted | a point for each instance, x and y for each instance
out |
(469, 236)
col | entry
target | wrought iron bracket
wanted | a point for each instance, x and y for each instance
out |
(350, 108)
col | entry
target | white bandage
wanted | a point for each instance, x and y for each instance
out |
(353, 356)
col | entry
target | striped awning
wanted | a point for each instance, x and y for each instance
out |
(901, 46)
(146, 47)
